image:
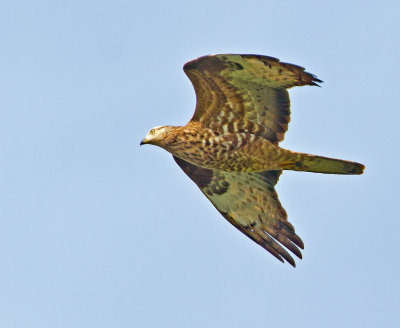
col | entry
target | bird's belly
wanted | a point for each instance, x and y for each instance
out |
(233, 153)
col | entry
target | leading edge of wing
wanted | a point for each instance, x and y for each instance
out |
(295, 75)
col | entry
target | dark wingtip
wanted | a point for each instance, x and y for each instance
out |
(291, 262)
(315, 81)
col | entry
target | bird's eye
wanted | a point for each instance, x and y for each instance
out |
(152, 131)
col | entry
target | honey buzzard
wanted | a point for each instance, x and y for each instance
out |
(230, 146)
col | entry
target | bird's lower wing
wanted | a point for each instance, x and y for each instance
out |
(249, 202)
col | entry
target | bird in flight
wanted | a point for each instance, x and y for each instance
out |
(230, 147)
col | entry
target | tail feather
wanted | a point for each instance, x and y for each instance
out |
(320, 164)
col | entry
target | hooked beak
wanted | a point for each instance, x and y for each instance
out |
(143, 142)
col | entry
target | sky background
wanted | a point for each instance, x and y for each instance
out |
(96, 231)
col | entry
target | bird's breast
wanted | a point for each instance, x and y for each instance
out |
(239, 152)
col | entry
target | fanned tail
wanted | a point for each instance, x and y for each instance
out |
(320, 164)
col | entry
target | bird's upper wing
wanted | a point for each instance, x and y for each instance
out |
(245, 93)
(250, 202)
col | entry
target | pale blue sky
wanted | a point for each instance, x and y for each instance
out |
(96, 231)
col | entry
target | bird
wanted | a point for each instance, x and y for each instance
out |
(230, 147)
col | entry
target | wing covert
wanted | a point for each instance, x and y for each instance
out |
(251, 88)
(250, 203)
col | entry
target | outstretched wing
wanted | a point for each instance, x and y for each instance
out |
(250, 202)
(245, 93)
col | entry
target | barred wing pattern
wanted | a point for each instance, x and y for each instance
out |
(245, 93)
(249, 202)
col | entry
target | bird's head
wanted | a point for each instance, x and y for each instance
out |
(158, 136)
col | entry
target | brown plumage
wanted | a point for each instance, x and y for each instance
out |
(230, 146)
